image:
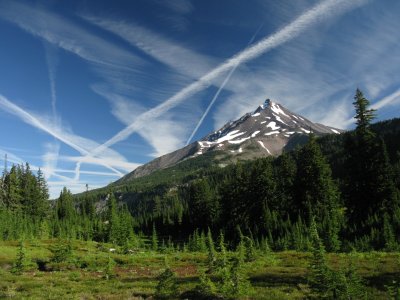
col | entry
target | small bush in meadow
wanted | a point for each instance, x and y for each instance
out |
(21, 260)
(167, 286)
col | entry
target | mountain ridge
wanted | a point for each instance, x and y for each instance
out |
(267, 131)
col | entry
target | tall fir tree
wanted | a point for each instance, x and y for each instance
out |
(42, 205)
(364, 116)
(12, 195)
(65, 207)
(369, 187)
(154, 239)
(317, 193)
(113, 229)
(203, 206)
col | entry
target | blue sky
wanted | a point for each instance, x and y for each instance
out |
(89, 90)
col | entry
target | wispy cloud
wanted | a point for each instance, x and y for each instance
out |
(391, 99)
(50, 158)
(319, 13)
(210, 105)
(388, 100)
(317, 74)
(11, 158)
(82, 145)
(74, 187)
(109, 159)
(52, 62)
(117, 163)
(116, 65)
(164, 134)
(170, 53)
(64, 34)
(108, 174)
(179, 10)
(123, 108)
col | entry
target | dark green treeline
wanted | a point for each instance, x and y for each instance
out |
(348, 183)
(27, 213)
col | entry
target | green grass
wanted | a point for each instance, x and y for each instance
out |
(280, 275)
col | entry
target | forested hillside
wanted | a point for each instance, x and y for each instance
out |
(337, 193)
(348, 184)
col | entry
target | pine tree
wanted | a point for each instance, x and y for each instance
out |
(317, 194)
(370, 190)
(364, 116)
(109, 271)
(319, 277)
(262, 189)
(113, 221)
(211, 257)
(21, 261)
(222, 261)
(61, 250)
(203, 206)
(388, 234)
(154, 239)
(126, 233)
(240, 283)
(64, 207)
(12, 197)
(167, 285)
(285, 174)
(241, 252)
(250, 253)
(206, 288)
(2, 202)
(42, 205)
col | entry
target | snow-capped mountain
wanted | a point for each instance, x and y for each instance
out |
(269, 130)
(270, 125)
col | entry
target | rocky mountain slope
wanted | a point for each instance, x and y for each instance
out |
(269, 130)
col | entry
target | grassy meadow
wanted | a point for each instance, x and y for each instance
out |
(91, 271)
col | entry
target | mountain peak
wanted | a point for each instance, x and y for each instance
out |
(271, 126)
(269, 130)
(267, 103)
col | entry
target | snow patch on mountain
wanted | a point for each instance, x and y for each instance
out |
(305, 130)
(277, 109)
(272, 125)
(239, 141)
(262, 145)
(335, 131)
(271, 132)
(279, 119)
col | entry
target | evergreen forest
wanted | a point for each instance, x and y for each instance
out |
(327, 209)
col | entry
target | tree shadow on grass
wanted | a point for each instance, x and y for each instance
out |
(274, 280)
(382, 280)
(179, 280)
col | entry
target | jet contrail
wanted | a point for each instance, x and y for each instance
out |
(212, 103)
(387, 100)
(51, 158)
(52, 62)
(318, 13)
(219, 91)
(33, 121)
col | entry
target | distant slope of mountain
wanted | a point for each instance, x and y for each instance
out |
(139, 193)
(267, 131)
